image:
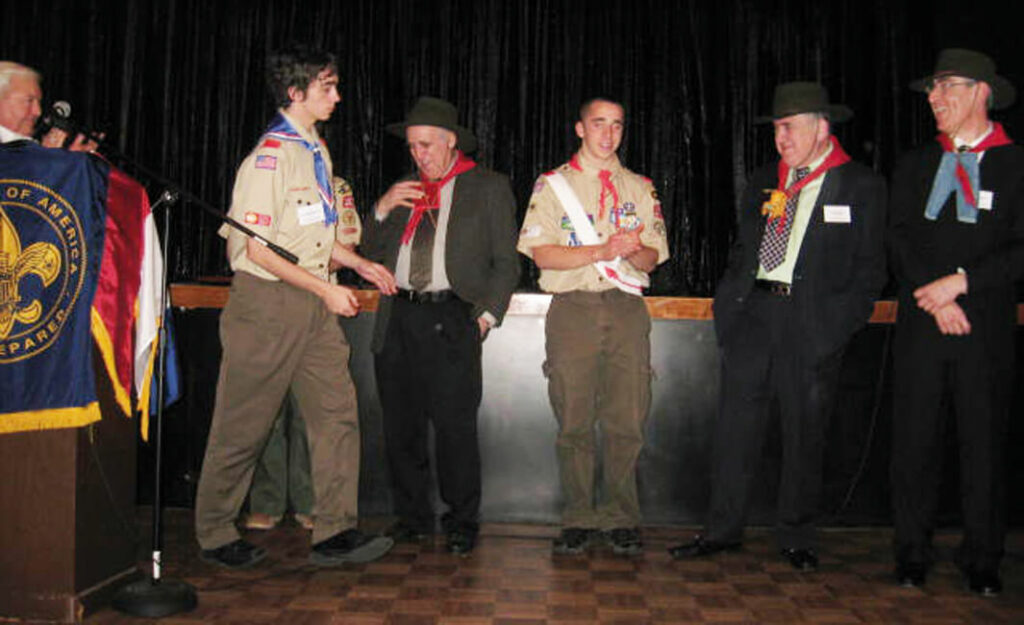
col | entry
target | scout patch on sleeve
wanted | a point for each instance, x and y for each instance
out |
(258, 219)
(270, 143)
(265, 161)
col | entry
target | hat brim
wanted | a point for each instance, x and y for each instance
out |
(1003, 92)
(834, 112)
(465, 139)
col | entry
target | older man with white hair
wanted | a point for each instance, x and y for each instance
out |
(448, 232)
(21, 106)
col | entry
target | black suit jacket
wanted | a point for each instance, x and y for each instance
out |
(991, 251)
(480, 253)
(840, 268)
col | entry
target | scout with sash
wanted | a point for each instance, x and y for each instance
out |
(595, 230)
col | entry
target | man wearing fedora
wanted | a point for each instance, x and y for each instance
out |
(448, 233)
(806, 264)
(595, 230)
(957, 246)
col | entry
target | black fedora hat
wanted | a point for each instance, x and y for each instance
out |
(973, 65)
(428, 111)
(794, 98)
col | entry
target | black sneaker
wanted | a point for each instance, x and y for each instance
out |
(573, 541)
(626, 541)
(349, 546)
(239, 554)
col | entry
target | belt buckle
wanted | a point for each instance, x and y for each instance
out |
(780, 288)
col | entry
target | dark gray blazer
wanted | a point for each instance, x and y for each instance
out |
(480, 254)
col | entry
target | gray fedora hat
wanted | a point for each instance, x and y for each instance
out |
(974, 65)
(428, 111)
(794, 98)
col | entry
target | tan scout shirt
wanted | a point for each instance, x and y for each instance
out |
(275, 195)
(350, 229)
(547, 224)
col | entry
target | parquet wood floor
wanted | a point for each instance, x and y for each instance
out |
(512, 579)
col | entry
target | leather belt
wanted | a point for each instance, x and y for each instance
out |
(427, 297)
(783, 289)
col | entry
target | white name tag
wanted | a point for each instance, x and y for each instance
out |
(837, 213)
(985, 200)
(310, 214)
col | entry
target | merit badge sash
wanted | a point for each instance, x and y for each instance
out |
(612, 270)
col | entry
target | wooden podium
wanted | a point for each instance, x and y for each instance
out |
(68, 531)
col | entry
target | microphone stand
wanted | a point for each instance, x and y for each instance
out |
(156, 597)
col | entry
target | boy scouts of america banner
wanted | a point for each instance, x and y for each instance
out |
(75, 267)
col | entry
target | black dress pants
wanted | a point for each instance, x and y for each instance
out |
(428, 371)
(765, 359)
(976, 371)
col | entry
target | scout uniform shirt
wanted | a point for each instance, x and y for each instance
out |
(628, 203)
(276, 197)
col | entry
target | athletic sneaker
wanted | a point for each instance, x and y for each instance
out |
(349, 546)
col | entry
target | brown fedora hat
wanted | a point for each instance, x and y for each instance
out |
(428, 111)
(974, 65)
(794, 98)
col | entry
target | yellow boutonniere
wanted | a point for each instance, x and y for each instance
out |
(775, 206)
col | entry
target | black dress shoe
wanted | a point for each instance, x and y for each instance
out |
(911, 574)
(985, 583)
(461, 541)
(699, 547)
(801, 559)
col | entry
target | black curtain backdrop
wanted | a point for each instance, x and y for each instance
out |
(178, 86)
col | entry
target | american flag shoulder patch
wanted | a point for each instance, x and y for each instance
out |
(265, 161)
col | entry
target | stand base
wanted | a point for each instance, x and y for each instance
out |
(155, 598)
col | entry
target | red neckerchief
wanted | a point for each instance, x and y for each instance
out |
(835, 158)
(431, 199)
(607, 188)
(994, 139)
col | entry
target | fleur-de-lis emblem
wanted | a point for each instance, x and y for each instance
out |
(41, 259)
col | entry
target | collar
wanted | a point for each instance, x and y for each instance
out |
(7, 135)
(309, 135)
(813, 164)
(582, 163)
(958, 142)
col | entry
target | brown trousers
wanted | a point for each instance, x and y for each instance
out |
(599, 372)
(277, 336)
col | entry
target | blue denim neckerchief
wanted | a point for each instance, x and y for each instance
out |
(946, 182)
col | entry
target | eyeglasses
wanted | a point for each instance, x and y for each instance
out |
(945, 84)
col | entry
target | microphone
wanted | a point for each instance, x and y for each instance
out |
(59, 116)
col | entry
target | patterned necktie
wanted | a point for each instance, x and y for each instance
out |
(775, 240)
